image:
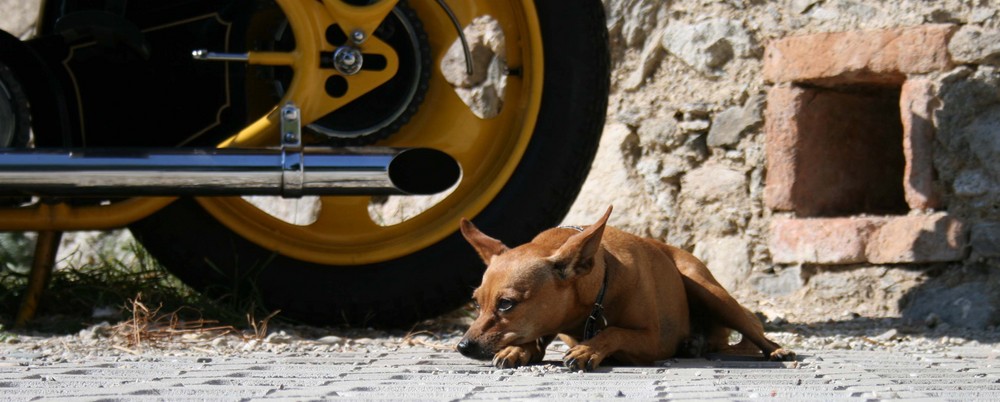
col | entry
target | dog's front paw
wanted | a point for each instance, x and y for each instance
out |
(582, 357)
(781, 355)
(511, 357)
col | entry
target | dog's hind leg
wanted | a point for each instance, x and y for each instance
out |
(746, 345)
(707, 334)
(729, 313)
(704, 292)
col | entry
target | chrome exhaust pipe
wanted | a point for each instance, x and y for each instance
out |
(225, 172)
(289, 171)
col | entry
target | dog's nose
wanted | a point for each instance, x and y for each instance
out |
(468, 348)
(464, 346)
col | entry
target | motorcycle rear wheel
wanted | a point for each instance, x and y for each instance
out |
(394, 275)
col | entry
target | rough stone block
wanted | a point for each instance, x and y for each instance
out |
(920, 238)
(730, 124)
(651, 57)
(709, 45)
(727, 258)
(985, 240)
(960, 298)
(972, 44)
(820, 240)
(784, 282)
(881, 56)
(714, 182)
(981, 133)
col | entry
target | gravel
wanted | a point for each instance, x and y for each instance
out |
(103, 339)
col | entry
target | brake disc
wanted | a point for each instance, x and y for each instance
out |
(385, 110)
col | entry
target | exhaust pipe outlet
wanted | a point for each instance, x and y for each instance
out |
(423, 171)
(226, 172)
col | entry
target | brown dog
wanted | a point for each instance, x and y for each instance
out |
(608, 294)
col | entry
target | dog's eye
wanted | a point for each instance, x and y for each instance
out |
(505, 305)
(475, 304)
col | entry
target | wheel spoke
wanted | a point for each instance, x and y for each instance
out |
(344, 217)
(451, 129)
(359, 18)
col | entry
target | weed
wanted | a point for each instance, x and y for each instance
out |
(260, 327)
(112, 289)
(149, 326)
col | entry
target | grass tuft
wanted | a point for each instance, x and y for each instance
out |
(108, 288)
(150, 327)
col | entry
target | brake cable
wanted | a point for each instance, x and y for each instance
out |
(461, 36)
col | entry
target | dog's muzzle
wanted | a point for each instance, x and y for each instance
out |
(472, 349)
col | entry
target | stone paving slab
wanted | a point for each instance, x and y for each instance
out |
(427, 374)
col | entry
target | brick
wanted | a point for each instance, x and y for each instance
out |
(878, 240)
(873, 57)
(821, 240)
(922, 238)
(917, 103)
(783, 102)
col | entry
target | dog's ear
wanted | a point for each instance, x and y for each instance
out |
(486, 246)
(576, 255)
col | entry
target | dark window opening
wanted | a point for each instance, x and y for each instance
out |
(849, 153)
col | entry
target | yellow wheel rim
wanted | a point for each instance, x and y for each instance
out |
(488, 151)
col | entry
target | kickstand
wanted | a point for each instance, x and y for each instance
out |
(46, 249)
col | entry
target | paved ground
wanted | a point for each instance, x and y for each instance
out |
(421, 372)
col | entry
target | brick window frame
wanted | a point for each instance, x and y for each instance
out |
(849, 143)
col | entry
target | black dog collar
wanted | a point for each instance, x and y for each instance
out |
(590, 329)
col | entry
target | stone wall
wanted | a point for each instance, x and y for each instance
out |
(827, 159)
(730, 131)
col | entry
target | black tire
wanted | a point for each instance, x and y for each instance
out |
(209, 256)
(26, 80)
(14, 120)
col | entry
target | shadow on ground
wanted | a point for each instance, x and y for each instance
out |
(882, 328)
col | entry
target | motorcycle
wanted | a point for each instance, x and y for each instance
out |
(261, 148)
